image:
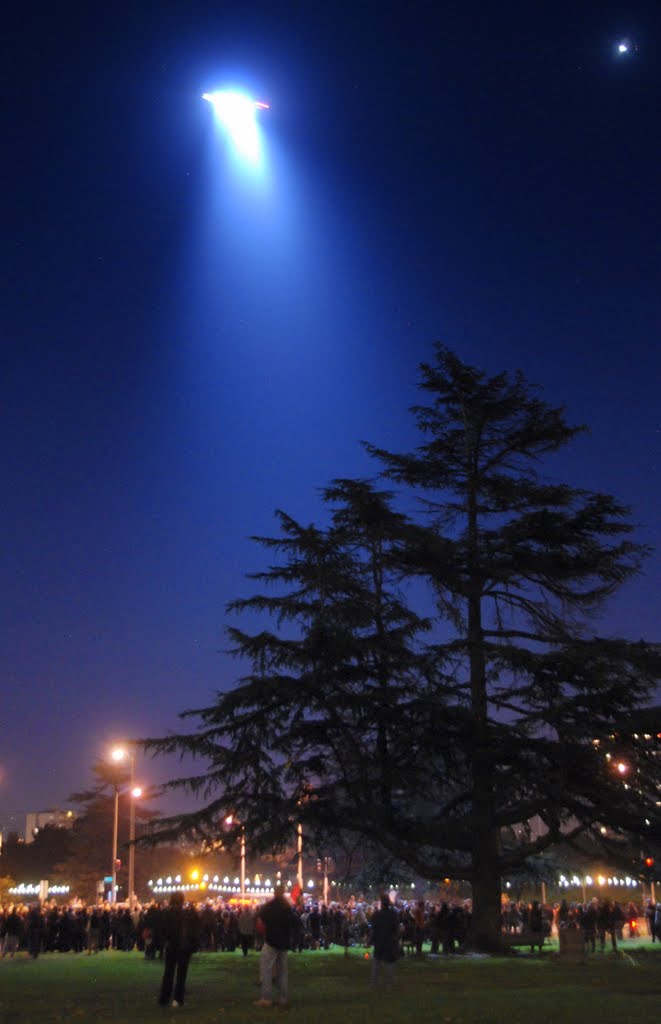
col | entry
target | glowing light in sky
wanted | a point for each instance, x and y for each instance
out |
(625, 48)
(238, 115)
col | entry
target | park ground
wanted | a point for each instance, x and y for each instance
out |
(329, 988)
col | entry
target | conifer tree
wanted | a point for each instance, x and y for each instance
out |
(462, 742)
(319, 728)
(521, 565)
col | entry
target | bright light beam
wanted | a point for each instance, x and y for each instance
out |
(237, 114)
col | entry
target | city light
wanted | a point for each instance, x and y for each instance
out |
(34, 889)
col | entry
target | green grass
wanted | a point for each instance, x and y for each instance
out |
(327, 988)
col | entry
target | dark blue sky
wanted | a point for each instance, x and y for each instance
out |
(183, 352)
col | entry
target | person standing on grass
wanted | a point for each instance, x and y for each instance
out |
(276, 917)
(419, 926)
(589, 926)
(246, 925)
(34, 930)
(606, 924)
(536, 926)
(385, 937)
(650, 911)
(13, 929)
(181, 937)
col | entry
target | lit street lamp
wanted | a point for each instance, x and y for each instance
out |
(228, 821)
(136, 793)
(119, 755)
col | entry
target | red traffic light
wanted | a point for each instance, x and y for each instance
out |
(649, 862)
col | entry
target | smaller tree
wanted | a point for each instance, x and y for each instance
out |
(6, 883)
(89, 858)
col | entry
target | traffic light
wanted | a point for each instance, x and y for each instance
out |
(648, 868)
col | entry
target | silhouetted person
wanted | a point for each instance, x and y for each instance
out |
(385, 936)
(277, 917)
(180, 935)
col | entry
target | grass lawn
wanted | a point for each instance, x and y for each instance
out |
(328, 988)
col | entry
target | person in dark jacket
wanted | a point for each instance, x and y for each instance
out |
(246, 923)
(277, 918)
(589, 926)
(385, 936)
(606, 924)
(13, 932)
(536, 926)
(180, 931)
(151, 931)
(34, 930)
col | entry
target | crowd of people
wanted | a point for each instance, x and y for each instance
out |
(442, 928)
(598, 921)
(175, 931)
(223, 927)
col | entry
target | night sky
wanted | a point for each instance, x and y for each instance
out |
(186, 348)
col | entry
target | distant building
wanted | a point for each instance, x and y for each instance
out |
(36, 820)
(10, 823)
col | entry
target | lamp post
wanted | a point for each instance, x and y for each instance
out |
(136, 793)
(243, 862)
(113, 890)
(229, 820)
(299, 834)
(118, 755)
(328, 866)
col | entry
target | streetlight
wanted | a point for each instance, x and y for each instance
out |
(229, 821)
(136, 793)
(119, 755)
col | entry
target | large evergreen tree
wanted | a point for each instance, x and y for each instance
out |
(440, 746)
(520, 565)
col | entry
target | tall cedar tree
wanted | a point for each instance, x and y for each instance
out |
(519, 566)
(442, 748)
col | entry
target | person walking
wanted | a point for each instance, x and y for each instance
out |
(277, 920)
(181, 937)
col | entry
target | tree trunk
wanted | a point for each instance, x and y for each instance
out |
(486, 931)
(486, 923)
